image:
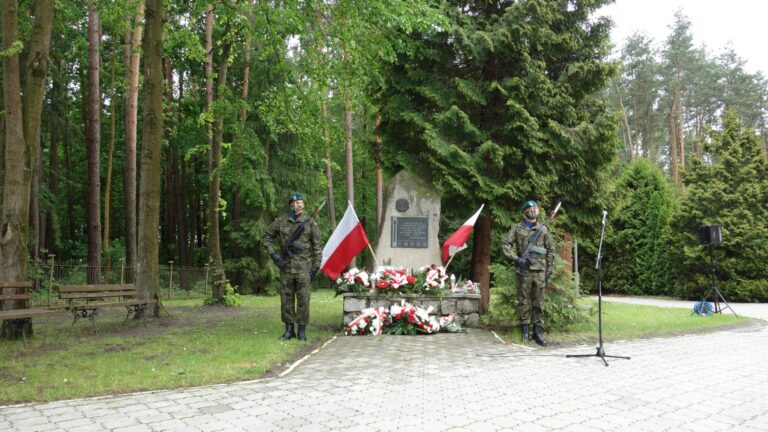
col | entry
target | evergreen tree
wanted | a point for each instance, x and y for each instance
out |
(732, 192)
(500, 105)
(641, 204)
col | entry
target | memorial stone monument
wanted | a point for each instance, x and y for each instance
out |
(411, 219)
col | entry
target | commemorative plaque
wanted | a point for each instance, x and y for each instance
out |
(410, 232)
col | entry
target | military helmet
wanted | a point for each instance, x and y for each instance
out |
(295, 197)
(527, 204)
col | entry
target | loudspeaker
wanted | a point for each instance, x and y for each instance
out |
(710, 234)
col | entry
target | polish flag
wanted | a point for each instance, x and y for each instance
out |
(458, 240)
(347, 240)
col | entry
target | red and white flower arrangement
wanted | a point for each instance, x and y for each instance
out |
(393, 279)
(370, 321)
(400, 319)
(355, 280)
(430, 279)
(434, 277)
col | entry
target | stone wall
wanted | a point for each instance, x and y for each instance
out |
(465, 306)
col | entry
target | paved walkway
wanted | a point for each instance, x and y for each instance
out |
(461, 382)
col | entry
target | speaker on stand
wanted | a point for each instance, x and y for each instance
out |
(713, 235)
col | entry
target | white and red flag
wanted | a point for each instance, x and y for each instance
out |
(347, 240)
(458, 240)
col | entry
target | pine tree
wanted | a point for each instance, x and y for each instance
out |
(730, 191)
(500, 105)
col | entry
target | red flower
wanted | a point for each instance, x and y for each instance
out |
(412, 311)
(410, 279)
(410, 319)
(382, 283)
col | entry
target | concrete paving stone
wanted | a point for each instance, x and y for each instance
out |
(117, 422)
(215, 426)
(69, 415)
(30, 421)
(168, 425)
(50, 412)
(128, 409)
(134, 428)
(531, 427)
(160, 403)
(149, 416)
(42, 427)
(19, 415)
(92, 427)
(69, 424)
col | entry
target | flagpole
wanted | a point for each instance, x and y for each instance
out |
(449, 262)
(375, 261)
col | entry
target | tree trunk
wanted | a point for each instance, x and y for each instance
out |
(71, 231)
(348, 160)
(214, 242)
(209, 74)
(379, 174)
(673, 171)
(93, 146)
(481, 260)
(679, 115)
(108, 186)
(53, 166)
(147, 269)
(35, 75)
(169, 221)
(132, 62)
(14, 224)
(17, 180)
(625, 122)
(331, 205)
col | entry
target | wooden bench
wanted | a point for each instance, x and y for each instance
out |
(18, 321)
(84, 301)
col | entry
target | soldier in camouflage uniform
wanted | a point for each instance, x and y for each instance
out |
(298, 263)
(533, 272)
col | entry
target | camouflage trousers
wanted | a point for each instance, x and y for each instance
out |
(530, 297)
(295, 290)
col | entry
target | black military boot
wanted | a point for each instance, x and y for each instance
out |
(524, 332)
(289, 334)
(302, 335)
(538, 336)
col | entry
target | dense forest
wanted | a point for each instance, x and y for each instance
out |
(143, 132)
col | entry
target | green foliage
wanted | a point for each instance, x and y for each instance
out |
(500, 104)
(230, 298)
(560, 298)
(731, 191)
(636, 253)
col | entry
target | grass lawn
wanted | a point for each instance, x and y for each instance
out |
(198, 345)
(195, 345)
(626, 321)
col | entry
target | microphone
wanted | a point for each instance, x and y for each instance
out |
(605, 213)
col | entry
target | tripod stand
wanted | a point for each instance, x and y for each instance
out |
(599, 267)
(713, 291)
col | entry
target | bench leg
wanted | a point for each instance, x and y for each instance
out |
(92, 318)
(90, 314)
(75, 317)
(138, 311)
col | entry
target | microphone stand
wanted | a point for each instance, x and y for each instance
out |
(599, 267)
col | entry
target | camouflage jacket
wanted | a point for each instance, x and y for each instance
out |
(304, 253)
(516, 240)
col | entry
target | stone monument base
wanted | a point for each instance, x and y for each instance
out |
(465, 306)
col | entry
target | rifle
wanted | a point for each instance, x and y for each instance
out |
(525, 257)
(285, 251)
